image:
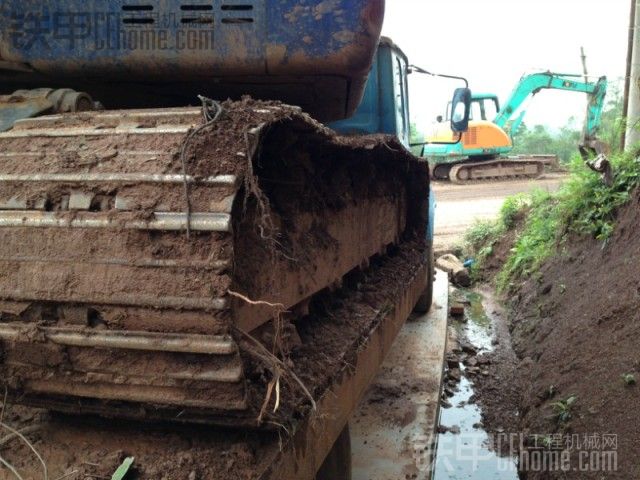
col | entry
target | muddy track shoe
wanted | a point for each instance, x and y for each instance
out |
(135, 247)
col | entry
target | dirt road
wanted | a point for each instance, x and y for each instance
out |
(459, 206)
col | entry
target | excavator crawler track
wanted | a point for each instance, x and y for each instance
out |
(139, 247)
(501, 168)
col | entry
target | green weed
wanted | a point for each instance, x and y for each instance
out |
(512, 208)
(536, 242)
(629, 379)
(584, 205)
(562, 409)
(482, 234)
(480, 239)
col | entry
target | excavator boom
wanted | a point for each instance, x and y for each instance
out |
(534, 83)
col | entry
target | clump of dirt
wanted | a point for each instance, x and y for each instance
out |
(574, 330)
(83, 448)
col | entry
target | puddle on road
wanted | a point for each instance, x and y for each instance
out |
(466, 455)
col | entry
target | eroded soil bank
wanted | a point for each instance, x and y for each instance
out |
(569, 397)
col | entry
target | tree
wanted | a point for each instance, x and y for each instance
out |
(613, 124)
(415, 136)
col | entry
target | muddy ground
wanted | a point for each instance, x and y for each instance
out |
(568, 387)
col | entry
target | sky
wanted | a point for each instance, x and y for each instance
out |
(494, 42)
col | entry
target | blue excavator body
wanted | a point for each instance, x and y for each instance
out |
(135, 236)
(152, 53)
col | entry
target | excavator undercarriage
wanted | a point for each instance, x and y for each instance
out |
(500, 168)
(148, 254)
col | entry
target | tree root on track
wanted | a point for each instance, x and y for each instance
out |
(278, 368)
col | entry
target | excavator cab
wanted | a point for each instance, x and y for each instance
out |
(385, 104)
(484, 106)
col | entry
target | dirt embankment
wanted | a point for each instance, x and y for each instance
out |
(575, 330)
(492, 264)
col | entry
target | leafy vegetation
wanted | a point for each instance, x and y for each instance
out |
(512, 208)
(536, 242)
(480, 239)
(539, 140)
(629, 379)
(562, 409)
(584, 205)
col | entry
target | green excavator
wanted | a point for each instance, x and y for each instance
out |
(481, 153)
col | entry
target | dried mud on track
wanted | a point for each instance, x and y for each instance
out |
(575, 331)
(300, 207)
(302, 178)
(329, 340)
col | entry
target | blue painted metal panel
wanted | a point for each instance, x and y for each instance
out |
(388, 100)
(383, 106)
(367, 119)
(432, 215)
(313, 53)
(195, 36)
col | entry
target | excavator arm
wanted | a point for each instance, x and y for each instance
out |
(532, 84)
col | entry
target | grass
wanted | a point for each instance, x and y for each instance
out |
(512, 209)
(584, 205)
(536, 242)
(478, 244)
(480, 239)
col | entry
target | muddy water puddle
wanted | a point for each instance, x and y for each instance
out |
(463, 450)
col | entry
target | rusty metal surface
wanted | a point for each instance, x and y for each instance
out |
(162, 342)
(167, 221)
(218, 180)
(393, 432)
